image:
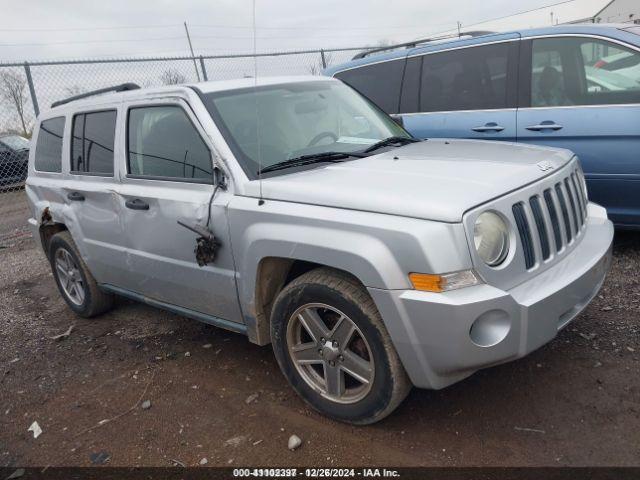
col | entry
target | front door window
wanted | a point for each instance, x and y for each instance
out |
(583, 71)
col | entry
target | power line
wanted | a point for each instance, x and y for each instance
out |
(231, 37)
(520, 13)
(78, 29)
(220, 37)
(222, 26)
(317, 27)
(71, 42)
(503, 17)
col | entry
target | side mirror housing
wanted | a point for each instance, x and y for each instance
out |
(397, 118)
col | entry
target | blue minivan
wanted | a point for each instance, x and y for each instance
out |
(569, 86)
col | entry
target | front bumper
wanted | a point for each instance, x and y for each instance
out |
(443, 338)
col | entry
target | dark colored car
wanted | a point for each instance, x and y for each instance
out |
(14, 156)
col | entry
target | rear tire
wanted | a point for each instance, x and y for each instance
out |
(75, 282)
(333, 348)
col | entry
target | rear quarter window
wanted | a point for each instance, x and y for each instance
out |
(379, 82)
(48, 156)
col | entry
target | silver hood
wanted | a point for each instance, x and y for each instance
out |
(436, 179)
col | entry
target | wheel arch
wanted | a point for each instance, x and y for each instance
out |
(48, 228)
(272, 275)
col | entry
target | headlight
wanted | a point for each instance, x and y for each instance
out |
(491, 238)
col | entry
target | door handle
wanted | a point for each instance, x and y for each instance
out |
(548, 125)
(75, 197)
(489, 127)
(137, 204)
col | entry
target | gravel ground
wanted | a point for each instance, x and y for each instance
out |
(214, 396)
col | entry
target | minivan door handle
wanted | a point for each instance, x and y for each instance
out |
(75, 197)
(137, 204)
(489, 127)
(546, 125)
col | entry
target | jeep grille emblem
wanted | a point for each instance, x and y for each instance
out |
(544, 166)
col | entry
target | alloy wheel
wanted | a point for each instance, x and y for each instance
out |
(69, 276)
(331, 353)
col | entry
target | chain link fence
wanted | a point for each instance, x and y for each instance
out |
(28, 88)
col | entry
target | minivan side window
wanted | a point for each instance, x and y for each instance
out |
(92, 142)
(162, 142)
(379, 82)
(583, 71)
(472, 78)
(48, 156)
(410, 95)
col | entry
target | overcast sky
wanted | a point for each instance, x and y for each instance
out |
(63, 29)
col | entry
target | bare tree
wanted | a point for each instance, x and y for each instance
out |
(172, 77)
(316, 67)
(13, 89)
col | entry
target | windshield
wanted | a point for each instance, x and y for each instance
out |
(15, 142)
(268, 124)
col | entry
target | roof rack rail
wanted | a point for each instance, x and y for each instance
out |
(116, 88)
(415, 43)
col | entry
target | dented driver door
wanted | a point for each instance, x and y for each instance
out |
(169, 178)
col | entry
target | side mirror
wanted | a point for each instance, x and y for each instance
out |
(398, 119)
(219, 178)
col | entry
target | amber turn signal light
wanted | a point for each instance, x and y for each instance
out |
(427, 282)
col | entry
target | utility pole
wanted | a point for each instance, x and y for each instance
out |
(195, 65)
(459, 27)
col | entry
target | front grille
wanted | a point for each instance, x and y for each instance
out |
(525, 234)
(550, 214)
(534, 202)
(555, 221)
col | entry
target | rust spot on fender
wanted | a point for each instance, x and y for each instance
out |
(46, 218)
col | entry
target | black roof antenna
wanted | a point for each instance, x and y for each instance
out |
(255, 98)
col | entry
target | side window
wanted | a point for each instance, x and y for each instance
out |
(379, 82)
(92, 142)
(48, 156)
(410, 97)
(162, 142)
(466, 79)
(583, 71)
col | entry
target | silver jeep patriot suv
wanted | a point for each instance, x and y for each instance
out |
(295, 212)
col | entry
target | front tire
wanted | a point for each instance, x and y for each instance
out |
(75, 282)
(334, 349)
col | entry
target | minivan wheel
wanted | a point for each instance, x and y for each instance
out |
(75, 282)
(334, 349)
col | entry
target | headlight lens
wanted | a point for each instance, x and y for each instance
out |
(491, 238)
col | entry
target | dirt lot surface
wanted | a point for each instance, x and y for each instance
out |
(215, 396)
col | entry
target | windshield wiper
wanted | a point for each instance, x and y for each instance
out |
(390, 141)
(310, 159)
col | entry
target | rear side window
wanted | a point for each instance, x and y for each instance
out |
(379, 82)
(92, 142)
(466, 79)
(162, 142)
(48, 156)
